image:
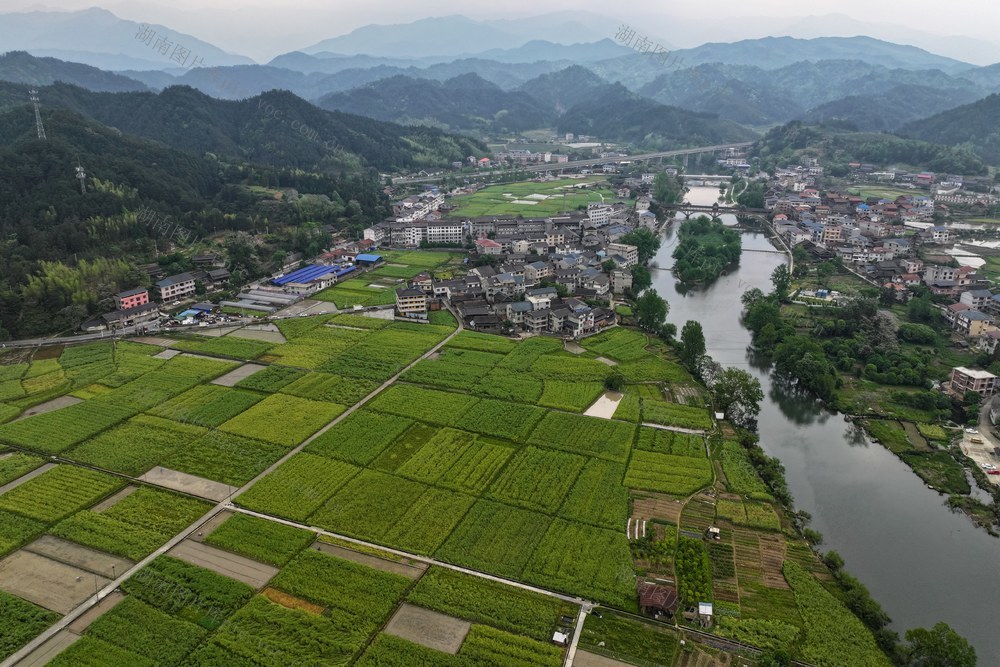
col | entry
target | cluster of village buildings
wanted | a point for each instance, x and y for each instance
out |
(869, 236)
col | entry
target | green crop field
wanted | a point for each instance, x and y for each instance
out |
(477, 457)
(679, 475)
(58, 493)
(298, 487)
(603, 438)
(393, 510)
(283, 420)
(532, 199)
(137, 445)
(136, 525)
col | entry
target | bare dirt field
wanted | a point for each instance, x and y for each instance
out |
(657, 506)
(584, 659)
(605, 406)
(237, 374)
(227, 564)
(428, 628)
(46, 582)
(49, 406)
(181, 481)
(76, 555)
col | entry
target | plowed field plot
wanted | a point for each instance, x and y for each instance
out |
(656, 506)
(428, 628)
(698, 514)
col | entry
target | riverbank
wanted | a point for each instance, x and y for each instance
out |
(922, 561)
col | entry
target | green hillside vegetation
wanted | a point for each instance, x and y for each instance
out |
(836, 147)
(971, 127)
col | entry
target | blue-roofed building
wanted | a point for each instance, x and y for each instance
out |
(309, 279)
(368, 259)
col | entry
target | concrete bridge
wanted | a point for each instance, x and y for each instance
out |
(714, 210)
(576, 164)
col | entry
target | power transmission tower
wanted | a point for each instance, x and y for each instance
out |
(33, 94)
(82, 176)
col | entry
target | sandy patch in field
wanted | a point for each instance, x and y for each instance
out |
(429, 628)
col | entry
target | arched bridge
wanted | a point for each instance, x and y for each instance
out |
(714, 210)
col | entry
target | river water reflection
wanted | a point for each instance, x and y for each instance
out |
(921, 561)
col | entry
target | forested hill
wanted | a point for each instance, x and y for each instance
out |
(836, 147)
(22, 67)
(275, 128)
(625, 116)
(463, 102)
(45, 217)
(976, 126)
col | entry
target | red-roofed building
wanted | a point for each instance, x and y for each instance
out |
(488, 247)
(655, 599)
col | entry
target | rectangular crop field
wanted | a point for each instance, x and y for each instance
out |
(537, 479)
(666, 473)
(207, 405)
(511, 421)
(53, 432)
(584, 560)
(283, 420)
(675, 414)
(439, 407)
(136, 525)
(603, 438)
(496, 538)
(224, 457)
(137, 445)
(266, 541)
(393, 511)
(360, 437)
(59, 492)
(298, 487)
(330, 388)
(490, 603)
(598, 496)
(618, 344)
(571, 396)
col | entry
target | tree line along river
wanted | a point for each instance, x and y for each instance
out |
(923, 562)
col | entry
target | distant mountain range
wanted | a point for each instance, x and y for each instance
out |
(21, 67)
(99, 38)
(573, 100)
(458, 36)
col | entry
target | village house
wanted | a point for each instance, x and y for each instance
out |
(175, 287)
(131, 298)
(967, 379)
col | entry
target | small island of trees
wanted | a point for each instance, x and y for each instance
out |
(705, 250)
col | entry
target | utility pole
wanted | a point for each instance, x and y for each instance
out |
(33, 96)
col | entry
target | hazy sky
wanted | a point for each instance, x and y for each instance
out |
(262, 30)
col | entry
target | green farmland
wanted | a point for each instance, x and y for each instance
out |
(479, 457)
(532, 199)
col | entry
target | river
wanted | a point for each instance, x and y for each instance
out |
(921, 561)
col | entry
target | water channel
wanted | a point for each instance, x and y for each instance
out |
(921, 561)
